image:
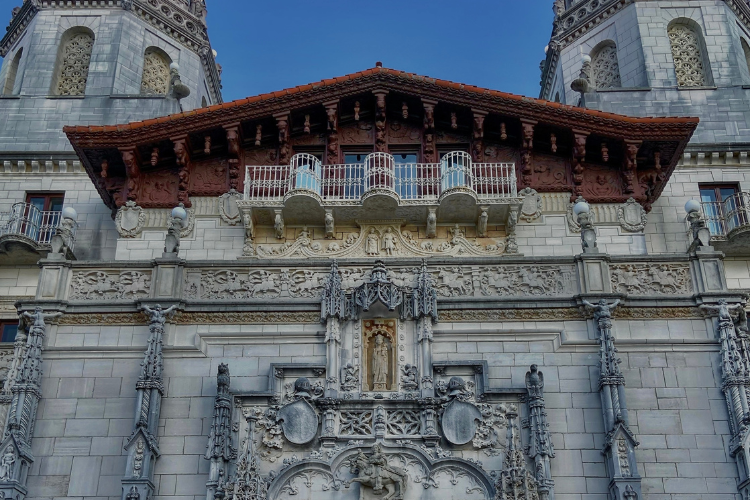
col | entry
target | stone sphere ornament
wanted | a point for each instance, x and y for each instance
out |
(692, 206)
(581, 208)
(180, 213)
(70, 213)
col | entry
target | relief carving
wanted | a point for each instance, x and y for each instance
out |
(631, 216)
(651, 279)
(527, 280)
(228, 209)
(130, 220)
(531, 207)
(159, 189)
(100, 285)
(209, 177)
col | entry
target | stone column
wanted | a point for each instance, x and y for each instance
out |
(142, 446)
(540, 441)
(332, 311)
(619, 443)
(15, 451)
(735, 374)
(220, 449)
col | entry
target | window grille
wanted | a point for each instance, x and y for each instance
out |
(606, 68)
(687, 55)
(74, 66)
(155, 80)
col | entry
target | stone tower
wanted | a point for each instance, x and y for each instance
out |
(88, 63)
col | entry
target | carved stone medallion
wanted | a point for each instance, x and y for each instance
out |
(299, 422)
(631, 216)
(228, 210)
(130, 220)
(531, 208)
(459, 422)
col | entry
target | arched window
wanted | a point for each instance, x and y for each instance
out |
(155, 78)
(557, 96)
(204, 102)
(10, 79)
(746, 51)
(688, 51)
(73, 59)
(605, 70)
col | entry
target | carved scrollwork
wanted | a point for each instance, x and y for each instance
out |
(100, 285)
(651, 279)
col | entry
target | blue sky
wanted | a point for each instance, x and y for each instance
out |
(270, 45)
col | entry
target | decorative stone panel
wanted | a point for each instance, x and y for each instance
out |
(651, 279)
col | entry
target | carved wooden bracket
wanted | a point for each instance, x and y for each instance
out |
(380, 141)
(332, 144)
(282, 123)
(527, 145)
(478, 135)
(235, 153)
(182, 158)
(132, 161)
(630, 165)
(429, 130)
(579, 157)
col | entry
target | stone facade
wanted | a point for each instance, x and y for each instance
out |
(245, 338)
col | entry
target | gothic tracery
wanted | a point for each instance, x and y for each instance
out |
(155, 80)
(74, 66)
(606, 68)
(687, 55)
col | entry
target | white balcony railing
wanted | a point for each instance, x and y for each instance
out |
(27, 220)
(380, 171)
(723, 217)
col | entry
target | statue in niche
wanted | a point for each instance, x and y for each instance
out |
(6, 464)
(380, 365)
(371, 245)
(389, 242)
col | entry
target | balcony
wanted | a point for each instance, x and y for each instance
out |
(25, 233)
(729, 223)
(382, 187)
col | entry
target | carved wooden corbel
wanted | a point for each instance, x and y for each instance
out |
(477, 148)
(235, 153)
(154, 156)
(630, 165)
(182, 158)
(380, 140)
(527, 146)
(429, 130)
(332, 143)
(282, 123)
(132, 161)
(207, 144)
(579, 157)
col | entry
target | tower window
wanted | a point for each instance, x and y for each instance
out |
(604, 66)
(74, 58)
(155, 80)
(746, 52)
(688, 55)
(10, 79)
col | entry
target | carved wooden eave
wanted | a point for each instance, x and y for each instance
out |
(551, 156)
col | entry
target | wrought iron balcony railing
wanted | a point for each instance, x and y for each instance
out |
(26, 220)
(411, 182)
(728, 217)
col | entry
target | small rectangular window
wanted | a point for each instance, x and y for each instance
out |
(723, 207)
(9, 331)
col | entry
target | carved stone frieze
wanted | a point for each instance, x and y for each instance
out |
(257, 283)
(130, 220)
(527, 280)
(101, 285)
(137, 318)
(248, 317)
(480, 315)
(380, 239)
(651, 279)
(631, 216)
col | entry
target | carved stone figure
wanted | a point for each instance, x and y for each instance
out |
(349, 377)
(6, 464)
(482, 223)
(379, 364)
(431, 223)
(602, 310)
(389, 242)
(409, 377)
(330, 233)
(722, 310)
(278, 225)
(371, 245)
(374, 472)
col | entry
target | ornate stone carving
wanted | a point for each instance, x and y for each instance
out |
(374, 472)
(356, 423)
(349, 377)
(531, 207)
(220, 449)
(540, 441)
(460, 418)
(379, 349)
(259, 283)
(409, 377)
(130, 220)
(631, 216)
(687, 54)
(515, 481)
(527, 280)
(100, 285)
(228, 210)
(74, 63)
(155, 78)
(651, 279)
(299, 420)
(605, 68)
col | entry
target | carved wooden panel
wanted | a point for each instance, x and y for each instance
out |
(601, 183)
(360, 132)
(550, 173)
(158, 189)
(209, 177)
(403, 133)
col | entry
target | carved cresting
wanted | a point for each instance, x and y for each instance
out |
(735, 373)
(142, 446)
(619, 443)
(540, 441)
(220, 448)
(15, 451)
